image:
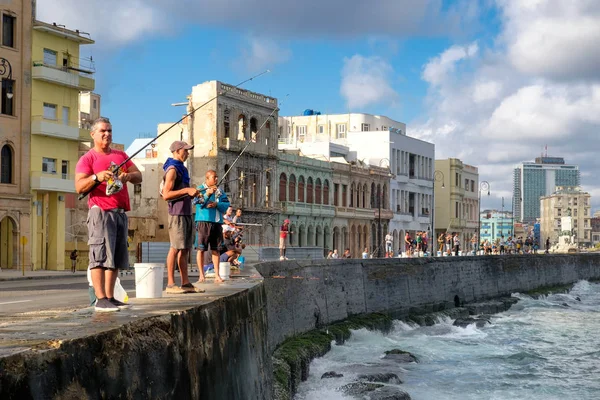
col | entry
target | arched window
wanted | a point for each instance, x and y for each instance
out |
(364, 196)
(242, 125)
(267, 132)
(253, 130)
(326, 192)
(318, 197)
(268, 194)
(384, 201)
(6, 164)
(352, 195)
(309, 191)
(226, 123)
(301, 190)
(378, 203)
(282, 187)
(292, 188)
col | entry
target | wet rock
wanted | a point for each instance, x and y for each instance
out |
(389, 393)
(566, 305)
(400, 356)
(331, 374)
(578, 298)
(388, 377)
(479, 322)
(359, 388)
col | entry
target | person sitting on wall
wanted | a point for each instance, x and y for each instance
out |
(346, 254)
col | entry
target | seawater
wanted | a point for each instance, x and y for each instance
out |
(546, 348)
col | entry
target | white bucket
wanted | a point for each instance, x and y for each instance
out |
(149, 280)
(224, 270)
(439, 253)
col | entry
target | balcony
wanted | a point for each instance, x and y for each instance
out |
(52, 182)
(458, 223)
(354, 213)
(314, 210)
(65, 76)
(385, 213)
(53, 128)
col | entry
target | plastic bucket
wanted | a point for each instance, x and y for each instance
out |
(224, 270)
(149, 280)
(242, 260)
(439, 253)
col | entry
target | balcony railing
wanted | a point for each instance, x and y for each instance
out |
(66, 76)
(52, 182)
(55, 128)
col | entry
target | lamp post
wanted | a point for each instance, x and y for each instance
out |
(483, 185)
(6, 70)
(515, 190)
(379, 198)
(437, 176)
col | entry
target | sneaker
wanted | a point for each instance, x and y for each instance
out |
(119, 304)
(104, 305)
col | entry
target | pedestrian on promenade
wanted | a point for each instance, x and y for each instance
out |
(389, 240)
(108, 202)
(73, 258)
(547, 245)
(212, 203)
(178, 194)
(365, 253)
(284, 231)
(441, 240)
(456, 243)
(346, 254)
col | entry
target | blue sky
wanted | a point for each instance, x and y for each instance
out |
(491, 82)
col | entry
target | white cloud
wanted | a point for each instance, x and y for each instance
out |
(366, 81)
(536, 85)
(109, 22)
(261, 53)
(553, 38)
(439, 67)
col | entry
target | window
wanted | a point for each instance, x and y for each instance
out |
(8, 30)
(8, 99)
(49, 111)
(49, 57)
(49, 165)
(65, 115)
(383, 128)
(321, 129)
(137, 188)
(301, 189)
(65, 169)
(340, 130)
(94, 104)
(6, 164)
(472, 186)
(336, 193)
(301, 132)
(282, 187)
(466, 184)
(365, 127)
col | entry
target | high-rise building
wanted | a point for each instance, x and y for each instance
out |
(532, 180)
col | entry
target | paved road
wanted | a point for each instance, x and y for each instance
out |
(44, 294)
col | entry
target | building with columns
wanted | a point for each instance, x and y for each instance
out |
(16, 17)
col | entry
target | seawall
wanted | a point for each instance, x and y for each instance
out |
(302, 296)
(222, 349)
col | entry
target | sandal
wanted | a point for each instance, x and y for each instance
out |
(174, 289)
(190, 288)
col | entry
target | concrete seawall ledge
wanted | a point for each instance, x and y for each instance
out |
(209, 345)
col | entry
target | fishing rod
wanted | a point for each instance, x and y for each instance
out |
(118, 167)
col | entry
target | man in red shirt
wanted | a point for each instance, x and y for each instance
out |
(283, 233)
(107, 221)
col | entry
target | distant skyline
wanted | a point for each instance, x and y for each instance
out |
(491, 82)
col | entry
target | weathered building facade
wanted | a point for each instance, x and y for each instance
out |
(16, 18)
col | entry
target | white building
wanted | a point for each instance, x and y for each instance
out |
(379, 141)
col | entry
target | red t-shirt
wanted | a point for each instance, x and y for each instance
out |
(93, 162)
(284, 231)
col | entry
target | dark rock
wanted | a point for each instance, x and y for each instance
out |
(389, 393)
(331, 374)
(400, 356)
(359, 388)
(479, 322)
(566, 305)
(388, 377)
(577, 298)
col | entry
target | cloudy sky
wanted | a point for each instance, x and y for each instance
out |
(492, 82)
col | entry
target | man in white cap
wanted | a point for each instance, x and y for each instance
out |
(283, 233)
(178, 194)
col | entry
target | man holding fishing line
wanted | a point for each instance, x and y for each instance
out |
(108, 202)
(211, 204)
(178, 194)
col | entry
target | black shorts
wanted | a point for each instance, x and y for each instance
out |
(208, 233)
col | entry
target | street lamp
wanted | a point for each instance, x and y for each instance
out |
(485, 186)
(379, 198)
(6, 69)
(512, 223)
(437, 176)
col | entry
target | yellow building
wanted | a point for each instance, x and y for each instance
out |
(456, 189)
(15, 123)
(58, 77)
